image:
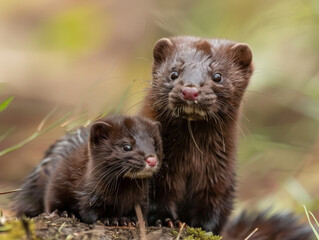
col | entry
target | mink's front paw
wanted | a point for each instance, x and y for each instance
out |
(67, 214)
(119, 221)
(169, 223)
(89, 217)
(64, 214)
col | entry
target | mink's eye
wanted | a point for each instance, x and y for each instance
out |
(155, 147)
(127, 148)
(217, 77)
(174, 75)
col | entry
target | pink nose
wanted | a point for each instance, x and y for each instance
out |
(190, 93)
(151, 161)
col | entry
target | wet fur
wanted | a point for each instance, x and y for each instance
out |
(84, 172)
(197, 186)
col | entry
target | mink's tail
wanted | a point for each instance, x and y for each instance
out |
(29, 201)
(283, 226)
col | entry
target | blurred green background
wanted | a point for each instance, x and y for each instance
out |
(90, 56)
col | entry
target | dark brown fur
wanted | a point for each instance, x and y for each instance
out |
(197, 186)
(284, 226)
(86, 171)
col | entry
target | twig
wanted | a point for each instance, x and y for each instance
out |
(11, 191)
(180, 232)
(78, 234)
(252, 233)
(141, 221)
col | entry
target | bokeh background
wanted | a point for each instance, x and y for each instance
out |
(67, 61)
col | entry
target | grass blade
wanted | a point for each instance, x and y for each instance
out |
(46, 118)
(310, 223)
(35, 135)
(5, 103)
(314, 218)
(123, 98)
(6, 134)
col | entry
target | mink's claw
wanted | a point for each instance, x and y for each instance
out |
(159, 223)
(122, 221)
(169, 223)
(134, 221)
(64, 214)
(178, 224)
(106, 222)
(125, 221)
(115, 222)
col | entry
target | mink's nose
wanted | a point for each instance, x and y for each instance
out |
(151, 161)
(190, 93)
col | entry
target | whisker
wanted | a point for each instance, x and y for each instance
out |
(192, 136)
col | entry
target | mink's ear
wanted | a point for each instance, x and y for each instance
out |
(99, 131)
(161, 50)
(242, 54)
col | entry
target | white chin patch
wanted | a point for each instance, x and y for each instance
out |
(144, 173)
(191, 110)
(190, 113)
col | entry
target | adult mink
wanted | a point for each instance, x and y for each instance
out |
(196, 93)
(98, 172)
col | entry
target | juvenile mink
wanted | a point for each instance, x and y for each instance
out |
(196, 92)
(99, 172)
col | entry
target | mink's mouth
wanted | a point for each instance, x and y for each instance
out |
(191, 113)
(144, 173)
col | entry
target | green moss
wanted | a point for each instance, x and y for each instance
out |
(175, 233)
(196, 234)
(199, 234)
(18, 229)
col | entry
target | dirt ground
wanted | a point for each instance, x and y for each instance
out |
(52, 226)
